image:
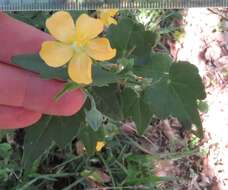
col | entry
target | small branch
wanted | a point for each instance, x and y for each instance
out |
(217, 13)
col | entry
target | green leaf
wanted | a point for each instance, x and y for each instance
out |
(131, 37)
(89, 138)
(175, 90)
(119, 35)
(49, 129)
(5, 150)
(136, 109)
(102, 77)
(143, 41)
(127, 64)
(203, 106)
(155, 66)
(94, 118)
(107, 100)
(67, 88)
(33, 62)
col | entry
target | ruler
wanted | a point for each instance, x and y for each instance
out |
(32, 5)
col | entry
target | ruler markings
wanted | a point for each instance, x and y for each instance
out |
(23, 5)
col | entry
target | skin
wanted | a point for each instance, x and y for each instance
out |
(24, 97)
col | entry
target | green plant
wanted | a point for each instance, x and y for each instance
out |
(135, 85)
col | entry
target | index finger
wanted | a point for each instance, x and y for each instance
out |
(24, 89)
(18, 38)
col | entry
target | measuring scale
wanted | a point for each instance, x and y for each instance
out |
(28, 5)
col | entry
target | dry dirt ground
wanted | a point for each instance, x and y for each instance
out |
(205, 44)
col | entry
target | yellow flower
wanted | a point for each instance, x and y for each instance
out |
(106, 16)
(100, 145)
(77, 44)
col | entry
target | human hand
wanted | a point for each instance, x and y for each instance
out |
(24, 97)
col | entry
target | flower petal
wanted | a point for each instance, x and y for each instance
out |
(61, 26)
(112, 12)
(80, 69)
(87, 28)
(100, 49)
(56, 54)
(109, 12)
(100, 145)
(112, 21)
(106, 16)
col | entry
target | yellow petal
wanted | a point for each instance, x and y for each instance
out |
(61, 26)
(56, 54)
(100, 145)
(87, 28)
(112, 21)
(100, 49)
(110, 12)
(106, 16)
(108, 21)
(80, 69)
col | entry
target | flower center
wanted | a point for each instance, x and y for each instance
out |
(78, 47)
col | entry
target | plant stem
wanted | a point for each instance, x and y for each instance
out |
(47, 176)
(108, 169)
(74, 184)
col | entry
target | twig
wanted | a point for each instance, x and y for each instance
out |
(108, 170)
(73, 184)
(217, 13)
(45, 177)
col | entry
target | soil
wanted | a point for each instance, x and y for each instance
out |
(205, 44)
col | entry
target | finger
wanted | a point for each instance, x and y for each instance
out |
(18, 38)
(24, 89)
(12, 117)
